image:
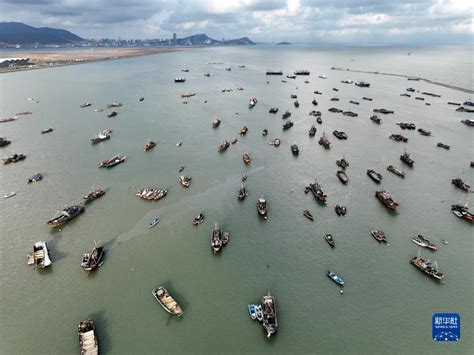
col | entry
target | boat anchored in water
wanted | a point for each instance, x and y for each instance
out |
(149, 145)
(330, 240)
(377, 177)
(262, 207)
(294, 149)
(35, 178)
(65, 215)
(308, 215)
(40, 255)
(324, 141)
(312, 131)
(336, 278)
(340, 210)
(423, 242)
(92, 260)
(269, 322)
(151, 193)
(246, 158)
(317, 192)
(168, 303)
(429, 268)
(218, 239)
(223, 146)
(88, 342)
(252, 102)
(216, 123)
(185, 181)
(242, 194)
(396, 171)
(341, 174)
(115, 160)
(463, 185)
(198, 219)
(462, 211)
(386, 199)
(405, 157)
(93, 195)
(379, 235)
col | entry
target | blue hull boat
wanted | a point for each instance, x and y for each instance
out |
(153, 223)
(336, 278)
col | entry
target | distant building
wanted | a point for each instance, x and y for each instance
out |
(175, 39)
(10, 62)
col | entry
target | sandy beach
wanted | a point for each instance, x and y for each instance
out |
(55, 58)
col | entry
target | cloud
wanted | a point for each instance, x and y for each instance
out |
(263, 20)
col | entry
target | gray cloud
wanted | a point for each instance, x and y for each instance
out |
(295, 20)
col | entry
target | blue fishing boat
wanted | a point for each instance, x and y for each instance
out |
(336, 278)
(252, 311)
(153, 223)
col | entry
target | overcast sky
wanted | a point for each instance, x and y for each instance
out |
(372, 21)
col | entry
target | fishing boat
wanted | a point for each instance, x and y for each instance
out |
(115, 160)
(330, 240)
(324, 141)
(223, 146)
(185, 70)
(179, 79)
(336, 278)
(275, 142)
(65, 215)
(396, 171)
(383, 111)
(287, 125)
(243, 177)
(242, 194)
(294, 149)
(314, 102)
(386, 199)
(243, 131)
(35, 178)
(296, 103)
(141, 98)
(264, 132)
(259, 312)
(378, 235)
(167, 302)
(11, 194)
(102, 136)
(376, 119)
(153, 222)
(88, 342)
(293, 96)
(185, 181)
(463, 185)
(286, 115)
(291, 76)
(322, 76)
(269, 322)
(15, 158)
(216, 239)
(406, 125)
(274, 72)
(198, 219)
(150, 193)
(405, 157)
(424, 132)
(343, 163)
(340, 210)
(85, 104)
(273, 110)
(40, 255)
(112, 114)
(92, 260)
(462, 211)
(114, 104)
(228, 68)
(398, 138)
(207, 74)
(423, 242)
(444, 146)
(246, 158)
(216, 123)
(252, 311)
(312, 131)
(4, 142)
(302, 72)
(308, 215)
(9, 119)
(93, 195)
(377, 177)
(149, 145)
(252, 102)
(468, 122)
(188, 94)
(341, 174)
(429, 268)
(317, 192)
(340, 134)
(315, 113)
(262, 207)
(47, 130)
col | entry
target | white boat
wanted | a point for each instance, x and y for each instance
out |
(11, 194)
(259, 312)
(40, 255)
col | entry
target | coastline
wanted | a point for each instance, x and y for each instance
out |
(58, 58)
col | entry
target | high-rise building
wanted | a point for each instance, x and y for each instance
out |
(175, 39)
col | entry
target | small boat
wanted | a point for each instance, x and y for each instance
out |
(405, 157)
(340, 134)
(98, 109)
(383, 111)
(398, 138)
(216, 239)
(207, 74)
(322, 76)
(442, 145)
(324, 141)
(185, 180)
(424, 132)
(228, 68)
(184, 70)
(444, 241)
(312, 131)
(293, 96)
(102, 136)
(11, 194)
(92, 260)
(287, 125)
(243, 131)
(467, 122)
(291, 76)
(167, 302)
(4, 142)
(367, 98)
(88, 342)
(235, 140)
(429, 268)
(330, 240)
(246, 158)
(65, 215)
(47, 130)
(308, 215)
(386, 198)
(179, 79)
(273, 110)
(340, 210)
(315, 113)
(35, 178)
(378, 235)
(242, 194)
(151, 193)
(243, 177)
(259, 312)
(302, 72)
(396, 171)
(319, 120)
(269, 322)
(377, 177)
(85, 104)
(348, 81)
(296, 103)
(462, 211)
(314, 102)
(458, 182)
(343, 163)
(141, 98)
(149, 145)
(114, 104)
(264, 132)
(198, 219)
(252, 311)
(223, 146)
(153, 222)
(262, 208)
(40, 255)
(376, 119)
(93, 195)
(286, 115)
(294, 149)
(341, 174)
(15, 158)
(179, 144)
(252, 102)
(216, 123)
(336, 278)
(362, 84)
(112, 114)
(188, 94)
(317, 192)
(181, 168)
(423, 242)
(115, 160)
(275, 142)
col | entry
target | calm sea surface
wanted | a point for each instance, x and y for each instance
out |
(387, 304)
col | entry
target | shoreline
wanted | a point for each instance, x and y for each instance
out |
(55, 58)
(417, 78)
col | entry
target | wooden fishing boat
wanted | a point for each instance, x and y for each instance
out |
(167, 302)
